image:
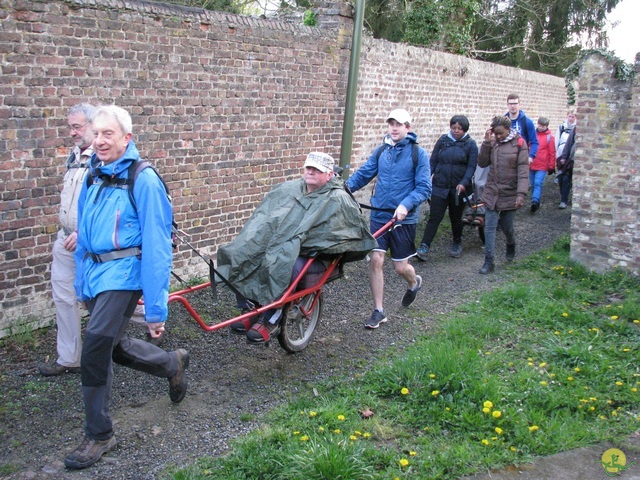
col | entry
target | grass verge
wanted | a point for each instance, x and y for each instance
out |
(546, 363)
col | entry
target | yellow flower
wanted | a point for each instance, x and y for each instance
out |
(366, 435)
(577, 369)
(435, 393)
(593, 399)
(304, 438)
(312, 414)
(487, 404)
(530, 359)
(341, 418)
(404, 462)
(636, 321)
(634, 389)
(543, 364)
(602, 417)
(404, 391)
(530, 364)
(619, 383)
(570, 379)
(485, 441)
(626, 349)
(447, 409)
(499, 430)
(533, 428)
(352, 437)
(552, 375)
(358, 433)
(583, 400)
(432, 375)
(497, 414)
(321, 429)
(337, 430)
(565, 314)
(614, 317)
(592, 408)
(412, 453)
(296, 433)
(486, 410)
(556, 332)
(543, 383)
(426, 429)
(513, 449)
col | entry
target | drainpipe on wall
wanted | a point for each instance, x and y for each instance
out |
(352, 87)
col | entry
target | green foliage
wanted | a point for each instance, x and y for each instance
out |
(547, 363)
(310, 19)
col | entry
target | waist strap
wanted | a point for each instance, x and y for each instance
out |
(115, 255)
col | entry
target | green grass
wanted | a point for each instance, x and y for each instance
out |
(547, 363)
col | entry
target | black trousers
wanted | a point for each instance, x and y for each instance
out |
(438, 207)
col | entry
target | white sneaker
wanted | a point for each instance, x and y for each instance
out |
(562, 205)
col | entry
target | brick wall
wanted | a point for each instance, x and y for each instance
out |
(605, 221)
(224, 105)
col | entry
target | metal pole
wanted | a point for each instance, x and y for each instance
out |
(352, 87)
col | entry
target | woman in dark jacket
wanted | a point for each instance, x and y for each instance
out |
(507, 184)
(453, 162)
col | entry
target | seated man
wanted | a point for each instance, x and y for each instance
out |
(309, 216)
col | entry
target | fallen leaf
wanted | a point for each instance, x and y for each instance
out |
(366, 413)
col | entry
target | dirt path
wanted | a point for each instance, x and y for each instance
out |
(229, 380)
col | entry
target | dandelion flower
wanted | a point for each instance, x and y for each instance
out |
(543, 364)
(487, 404)
(426, 429)
(513, 449)
(634, 389)
(341, 418)
(321, 429)
(435, 393)
(570, 379)
(614, 317)
(533, 428)
(485, 441)
(432, 375)
(530, 364)
(556, 332)
(543, 383)
(304, 438)
(447, 409)
(336, 431)
(412, 453)
(486, 410)
(312, 414)
(404, 462)
(296, 433)
(618, 383)
(592, 408)
(358, 433)
(404, 391)
(626, 349)
(366, 435)
(552, 375)
(353, 437)
(636, 321)
(565, 314)
(497, 414)
(499, 430)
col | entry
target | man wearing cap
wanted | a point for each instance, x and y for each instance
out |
(404, 182)
(312, 215)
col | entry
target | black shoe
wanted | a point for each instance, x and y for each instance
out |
(511, 252)
(89, 452)
(376, 318)
(410, 294)
(488, 267)
(178, 383)
(56, 369)
(534, 206)
(456, 250)
(242, 326)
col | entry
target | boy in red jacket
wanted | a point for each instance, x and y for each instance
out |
(545, 161)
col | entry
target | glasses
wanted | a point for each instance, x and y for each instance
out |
(76, 127)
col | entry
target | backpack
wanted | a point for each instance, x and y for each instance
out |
(133, 171)
(414, 154)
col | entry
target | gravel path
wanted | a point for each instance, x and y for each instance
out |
(41, 419)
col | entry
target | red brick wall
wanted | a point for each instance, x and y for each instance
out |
(605, 220)
(224, 105)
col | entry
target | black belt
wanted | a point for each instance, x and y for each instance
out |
(115, 255)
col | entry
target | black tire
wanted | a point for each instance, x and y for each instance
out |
(481, 234)
(296, 329)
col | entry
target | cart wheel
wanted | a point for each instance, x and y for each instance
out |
(296, 328)
(481, 234)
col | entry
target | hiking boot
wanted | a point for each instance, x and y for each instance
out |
(534, 206)
(410, 294)
(562, 205)
(511, 252)
(56, 369)
(89, 452)
(456, 250)
(423, 251)
(488, 266)
(178, 383)
(263, 330)
(374, 321)
(242, 326)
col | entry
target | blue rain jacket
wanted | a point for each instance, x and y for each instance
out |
(398, 181)
(108, 221)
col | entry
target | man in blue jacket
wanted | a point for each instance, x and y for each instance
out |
(404, 182)
(124, 250)
(522, 124)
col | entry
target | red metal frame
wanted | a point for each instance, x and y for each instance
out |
(288, 296)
